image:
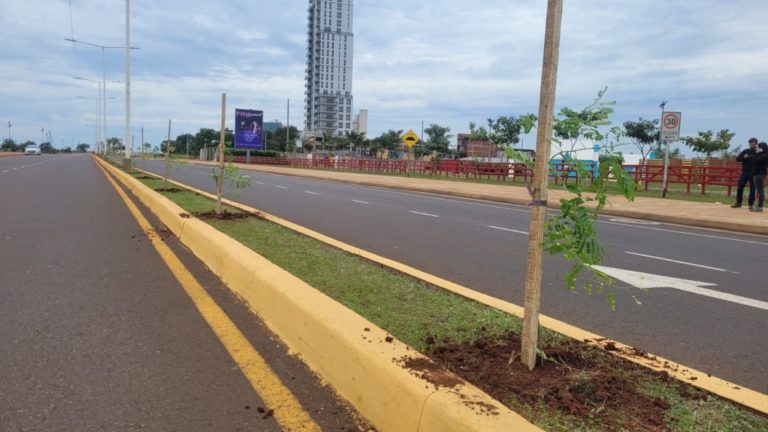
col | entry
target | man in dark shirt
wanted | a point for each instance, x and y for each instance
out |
(746, 157)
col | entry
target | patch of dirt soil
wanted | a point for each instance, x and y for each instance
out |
(574, 378)
(169, 189)
(225, 215)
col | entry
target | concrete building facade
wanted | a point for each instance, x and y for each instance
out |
(360, 123)
(328, 83)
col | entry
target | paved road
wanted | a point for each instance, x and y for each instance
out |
(482, 245)
(98, 335)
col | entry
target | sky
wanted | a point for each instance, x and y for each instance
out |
(444, 62)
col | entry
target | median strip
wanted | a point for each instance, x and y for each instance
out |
(429, 318)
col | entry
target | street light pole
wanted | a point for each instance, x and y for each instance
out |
(127, 160)
(98, 108)
(104, 77)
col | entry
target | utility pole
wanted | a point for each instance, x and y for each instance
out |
(9, 131)
(288, 124)
(540, 187)
(127, 154)
(665, 150)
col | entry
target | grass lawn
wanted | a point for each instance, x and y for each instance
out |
(428, 318)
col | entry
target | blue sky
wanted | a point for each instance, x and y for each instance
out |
(445, 62)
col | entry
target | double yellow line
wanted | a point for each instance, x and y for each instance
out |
(287, 410)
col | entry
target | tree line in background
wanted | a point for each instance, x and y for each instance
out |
(642, 134)
(9, 145)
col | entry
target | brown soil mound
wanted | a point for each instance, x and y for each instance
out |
(169, 189)
(225, 215)
(573, 378)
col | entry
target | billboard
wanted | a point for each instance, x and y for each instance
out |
(249, 133)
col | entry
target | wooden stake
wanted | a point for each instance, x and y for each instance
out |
(539, 213)
(220, 178)
(167, 153)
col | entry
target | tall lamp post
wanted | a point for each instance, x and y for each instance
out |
(104, 74)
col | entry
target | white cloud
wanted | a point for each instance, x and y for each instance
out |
(445, 61)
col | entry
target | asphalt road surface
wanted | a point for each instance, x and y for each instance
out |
(98, 335)
(717, 326)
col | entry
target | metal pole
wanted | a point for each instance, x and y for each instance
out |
(666, 152)
(540, 187)
(127, 81)
(287, 124)
(104, 101)
(142, 142)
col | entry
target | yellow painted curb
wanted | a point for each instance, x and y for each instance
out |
(360, 360)
(725, 389)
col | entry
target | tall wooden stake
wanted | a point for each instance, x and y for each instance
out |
(220, 177)
(540, 178)
(168, 153)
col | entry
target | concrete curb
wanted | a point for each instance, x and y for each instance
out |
(725, 389)
(360, 361)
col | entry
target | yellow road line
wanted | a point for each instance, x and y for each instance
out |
(725, 389)
(287, 410)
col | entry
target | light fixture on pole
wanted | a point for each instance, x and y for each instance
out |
(103, 72)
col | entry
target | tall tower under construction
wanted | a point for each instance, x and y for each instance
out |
(328, 86)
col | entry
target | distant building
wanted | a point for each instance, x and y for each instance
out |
(479, 148)
(328, 82)
(272, 126)
(360, 123)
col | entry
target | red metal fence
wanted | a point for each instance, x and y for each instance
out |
(693, 177)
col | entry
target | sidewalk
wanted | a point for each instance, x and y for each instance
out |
(700, 214)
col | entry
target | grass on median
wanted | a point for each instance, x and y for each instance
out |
(412, 311)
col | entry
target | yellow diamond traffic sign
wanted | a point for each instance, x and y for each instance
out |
(410, 138)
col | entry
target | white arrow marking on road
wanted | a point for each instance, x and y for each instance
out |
(676, 261)
(360, 202)
(507, 229)
(310, 192)
(282, 187)
(648, 280)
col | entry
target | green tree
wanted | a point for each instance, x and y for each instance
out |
(477, 133)
(505, 131)
(358, 140)
(438, 139)
(46, 147)
(182, 141)
(9, 145)
(709, 142)
(644, 134)
(83, 147)
(572, 232)
(389, 140)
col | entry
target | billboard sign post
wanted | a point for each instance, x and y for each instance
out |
(249, 133)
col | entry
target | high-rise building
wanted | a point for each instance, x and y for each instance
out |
(328, 87)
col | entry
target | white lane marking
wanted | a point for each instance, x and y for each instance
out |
(311, 193)
(507, 229)
(15, 169)
(5, 171)
(648, 280)
(678, 262)
(425, 214)
(360, 202)
(282, 187)
(689, 233)
(259, 183)
(431, 195)
(634, 221)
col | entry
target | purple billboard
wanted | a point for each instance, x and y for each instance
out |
(248, 129)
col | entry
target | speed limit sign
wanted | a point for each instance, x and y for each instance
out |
(670, 126)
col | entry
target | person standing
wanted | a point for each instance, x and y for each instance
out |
(746, 157)
(759, 168)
